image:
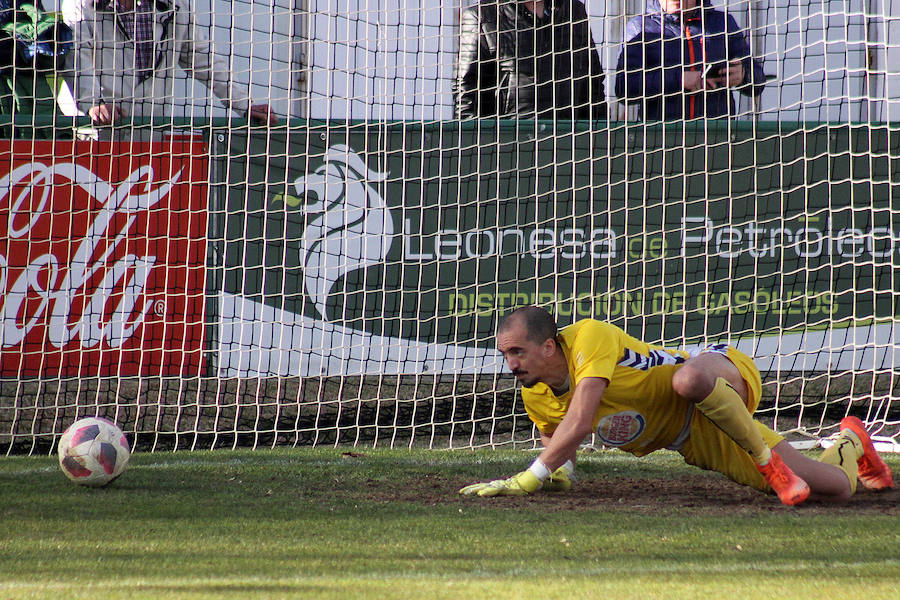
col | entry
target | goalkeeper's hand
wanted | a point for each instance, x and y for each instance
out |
(522, 484)
(560, 481)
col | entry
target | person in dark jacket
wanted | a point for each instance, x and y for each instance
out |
(681, 60)
(529, 60)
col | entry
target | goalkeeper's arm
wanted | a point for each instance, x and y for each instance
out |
(559, 448)
(545, 440)
(562, 478)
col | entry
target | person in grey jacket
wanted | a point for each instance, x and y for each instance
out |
(126, 58)
(530, 60)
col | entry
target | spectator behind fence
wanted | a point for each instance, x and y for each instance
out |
(681, 60)
(126, 57)
(533, 59)
(33, 46)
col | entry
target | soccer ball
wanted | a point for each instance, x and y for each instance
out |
(93, 451)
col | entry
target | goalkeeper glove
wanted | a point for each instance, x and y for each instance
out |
(561, 479)
(518, 485)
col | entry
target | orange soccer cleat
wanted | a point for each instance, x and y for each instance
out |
(790, 488)
(873, 471)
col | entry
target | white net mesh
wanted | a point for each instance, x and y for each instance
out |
(335, 277)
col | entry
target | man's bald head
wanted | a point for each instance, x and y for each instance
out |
(539, 324)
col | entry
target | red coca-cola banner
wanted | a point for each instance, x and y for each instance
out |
(102, 257)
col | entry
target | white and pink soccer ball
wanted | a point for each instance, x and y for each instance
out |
(93, 451)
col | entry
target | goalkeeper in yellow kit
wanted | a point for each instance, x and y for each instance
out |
(593, 377)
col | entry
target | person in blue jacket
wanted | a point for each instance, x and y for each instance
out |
(682, 58)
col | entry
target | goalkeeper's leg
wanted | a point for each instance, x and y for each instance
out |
(834, 476)
(854, 453)
(718, 389)
(722, 393)
(729, 403)
(826, 481)
(709, 448)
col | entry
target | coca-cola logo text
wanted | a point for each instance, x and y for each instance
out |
(58, 283)
(93, 273)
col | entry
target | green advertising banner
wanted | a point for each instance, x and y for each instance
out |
(373, 248)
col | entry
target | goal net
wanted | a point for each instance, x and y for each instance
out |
(335, 277)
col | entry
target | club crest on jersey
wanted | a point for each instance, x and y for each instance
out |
(621, 428)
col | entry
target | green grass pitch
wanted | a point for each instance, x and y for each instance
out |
(335, 523)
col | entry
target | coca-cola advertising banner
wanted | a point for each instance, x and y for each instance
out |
(102, 258)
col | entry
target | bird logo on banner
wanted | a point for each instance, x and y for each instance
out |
(348, 225)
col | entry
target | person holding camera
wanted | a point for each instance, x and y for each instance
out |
(682, 59)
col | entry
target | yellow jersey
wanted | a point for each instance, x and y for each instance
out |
(639, 412)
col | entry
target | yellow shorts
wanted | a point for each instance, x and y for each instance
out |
(708, 447)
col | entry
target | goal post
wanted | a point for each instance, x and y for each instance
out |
(337, 279)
